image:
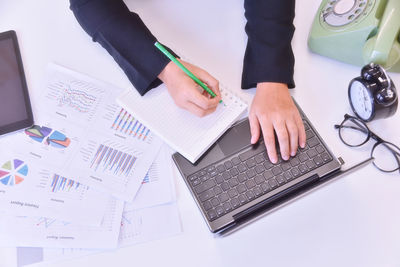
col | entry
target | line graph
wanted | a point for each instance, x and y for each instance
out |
(47, 223)
(73, 99)
(77, 99)
(131, 225)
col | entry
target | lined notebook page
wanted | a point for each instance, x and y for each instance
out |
(188, 134)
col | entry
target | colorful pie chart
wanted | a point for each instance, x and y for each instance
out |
(56, 138)
(38, 133)
(13, 172)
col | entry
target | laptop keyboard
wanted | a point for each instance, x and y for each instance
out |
(230, 184)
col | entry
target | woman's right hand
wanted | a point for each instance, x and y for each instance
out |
(186, 93)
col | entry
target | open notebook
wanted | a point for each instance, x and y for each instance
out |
(188, 134)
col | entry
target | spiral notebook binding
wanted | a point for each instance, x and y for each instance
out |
(231, 94)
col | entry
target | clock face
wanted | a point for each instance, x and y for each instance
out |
(361, 100)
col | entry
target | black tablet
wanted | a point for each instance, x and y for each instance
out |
(15, 106)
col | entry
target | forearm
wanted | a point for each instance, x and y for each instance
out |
(124, 35)
(269, 56)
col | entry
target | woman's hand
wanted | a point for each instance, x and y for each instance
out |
(186, 93)
(272, 110)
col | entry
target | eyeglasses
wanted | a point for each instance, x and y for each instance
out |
(354, 132)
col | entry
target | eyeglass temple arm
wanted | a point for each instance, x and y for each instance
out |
(355, 121)
(395, 153)
(362, 128)
(354, 128)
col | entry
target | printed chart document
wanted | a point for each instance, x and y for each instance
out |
(154, 203)
(148, 224)
(28, 188)
(191, 136)
(158, 185)
(137, 226)
(44, 232)
(82, 134)
(154, 213)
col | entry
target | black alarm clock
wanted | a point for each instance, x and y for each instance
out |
(373, 95)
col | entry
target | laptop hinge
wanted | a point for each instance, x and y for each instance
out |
(267, 202)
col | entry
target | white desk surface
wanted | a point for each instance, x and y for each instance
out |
(354, 221)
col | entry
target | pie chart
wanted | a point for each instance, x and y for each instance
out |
(56, 138)
(38, 133)
(13, 172)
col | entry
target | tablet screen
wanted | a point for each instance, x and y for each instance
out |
(15, 112)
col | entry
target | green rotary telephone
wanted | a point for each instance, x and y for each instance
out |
(358, 32)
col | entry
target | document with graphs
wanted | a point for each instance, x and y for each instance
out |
(28, 188)
(81, 133)
(46, 232)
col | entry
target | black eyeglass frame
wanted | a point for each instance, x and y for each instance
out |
(370, 134)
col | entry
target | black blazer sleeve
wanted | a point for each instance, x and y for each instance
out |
(123, 34)
(269, 56)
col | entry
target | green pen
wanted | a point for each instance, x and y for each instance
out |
(180, 65)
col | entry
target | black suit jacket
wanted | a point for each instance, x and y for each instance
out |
(268, 56)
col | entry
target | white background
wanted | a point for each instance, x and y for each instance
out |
(355, 221)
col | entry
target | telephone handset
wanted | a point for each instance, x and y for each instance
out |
(358, 32)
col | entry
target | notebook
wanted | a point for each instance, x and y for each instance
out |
(188, 134)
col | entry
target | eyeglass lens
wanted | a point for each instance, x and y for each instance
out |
(386, 156)
(353, 132)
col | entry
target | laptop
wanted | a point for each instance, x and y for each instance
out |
(234, 181)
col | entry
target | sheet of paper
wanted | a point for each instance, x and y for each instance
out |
(44, 232)
(28, 188)
(137, 227)
(154, 203)
(148, 224)
(189, 135)
(158, 186)
(81, 132)
(28, 256)
(140, 219)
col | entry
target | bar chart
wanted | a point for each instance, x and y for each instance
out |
(126, 124)
(62, 184)
(66, 189)
(110, 160)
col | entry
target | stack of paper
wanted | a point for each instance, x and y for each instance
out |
(87, 175)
